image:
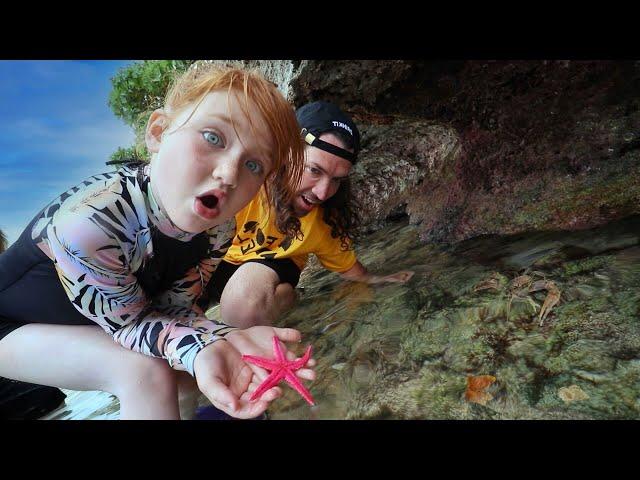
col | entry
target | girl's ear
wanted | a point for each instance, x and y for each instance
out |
(157, 124)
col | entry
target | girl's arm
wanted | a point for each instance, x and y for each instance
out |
(95, 255)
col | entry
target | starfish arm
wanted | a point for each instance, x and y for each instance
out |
(298, 387)
(261, 362)
(277, 350)
(271, 381)
(301, 362)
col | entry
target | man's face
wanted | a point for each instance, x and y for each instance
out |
(323, 174)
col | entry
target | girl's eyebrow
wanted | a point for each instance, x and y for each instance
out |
(219, 116)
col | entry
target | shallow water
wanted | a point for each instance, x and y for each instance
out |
(91, 405)
(405, 351)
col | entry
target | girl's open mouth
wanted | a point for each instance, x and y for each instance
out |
(207, 206)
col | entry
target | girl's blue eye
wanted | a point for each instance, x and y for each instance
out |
(212, 138)
(255, 167)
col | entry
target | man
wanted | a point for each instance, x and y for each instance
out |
(255, 281)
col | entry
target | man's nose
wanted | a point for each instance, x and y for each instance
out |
(322, 189)
(227, 170)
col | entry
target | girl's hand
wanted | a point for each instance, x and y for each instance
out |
(259, 341)
(227, 381)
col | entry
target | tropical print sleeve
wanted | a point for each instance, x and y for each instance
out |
(97, 241)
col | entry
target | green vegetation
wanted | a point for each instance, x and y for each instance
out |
(138, 90)
(3, 242)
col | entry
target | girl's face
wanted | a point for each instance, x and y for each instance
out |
(202, 172)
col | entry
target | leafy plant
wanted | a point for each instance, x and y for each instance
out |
(137, 90)
(3, 242)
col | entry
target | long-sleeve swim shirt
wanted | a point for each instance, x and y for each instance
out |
(103, 237)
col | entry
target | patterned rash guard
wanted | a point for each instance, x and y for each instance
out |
(103, 237)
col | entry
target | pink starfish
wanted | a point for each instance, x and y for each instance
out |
(280, 369)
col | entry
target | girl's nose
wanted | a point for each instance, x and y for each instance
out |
(226, 171)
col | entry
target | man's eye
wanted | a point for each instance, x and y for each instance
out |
(255, 167)
(212, 138)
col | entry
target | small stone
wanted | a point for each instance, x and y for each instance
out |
(339, 366)
(572, 394)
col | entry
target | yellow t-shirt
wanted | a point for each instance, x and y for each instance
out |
(257, 237)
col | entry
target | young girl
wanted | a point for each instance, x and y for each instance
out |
(134, 250)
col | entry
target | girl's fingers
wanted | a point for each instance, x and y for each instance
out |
(249, 409)
(254, 409)
(291, 357)
(258, 372)
(254, 385)
(306, 374)
(271, 394)
(221, 396)
(288, 334)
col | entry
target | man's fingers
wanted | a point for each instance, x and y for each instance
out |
(406, 276)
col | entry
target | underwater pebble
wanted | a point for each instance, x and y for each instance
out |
(572, 394)
(338, 366)
(592, 377)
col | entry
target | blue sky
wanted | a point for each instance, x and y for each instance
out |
(56, 129)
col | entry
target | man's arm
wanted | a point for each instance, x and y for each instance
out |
(358, 273)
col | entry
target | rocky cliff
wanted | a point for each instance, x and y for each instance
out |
(479, 147)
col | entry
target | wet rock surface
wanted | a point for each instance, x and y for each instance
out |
(467, 148)
(528, 145)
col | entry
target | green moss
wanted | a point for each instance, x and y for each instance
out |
(439, 395)
(585, 265)
(615, 187)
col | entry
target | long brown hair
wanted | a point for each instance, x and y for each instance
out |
(341, 214)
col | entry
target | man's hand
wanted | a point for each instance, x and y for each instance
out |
(398, 277)
(358, 273)
(227, 381)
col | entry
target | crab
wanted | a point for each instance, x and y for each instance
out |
(491, 283)
(520, 287)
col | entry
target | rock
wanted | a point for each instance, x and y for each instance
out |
(526, 145)
(572, 394)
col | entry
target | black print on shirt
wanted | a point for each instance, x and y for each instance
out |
(260, 240)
